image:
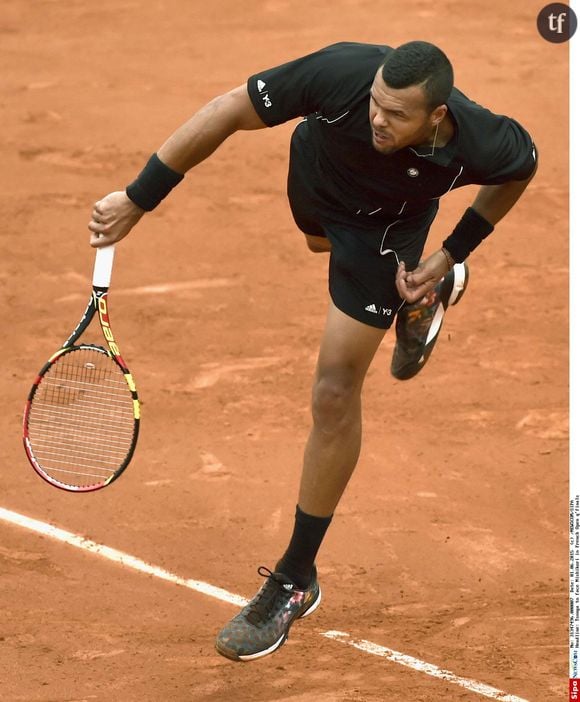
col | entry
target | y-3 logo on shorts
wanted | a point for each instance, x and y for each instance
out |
(377, 309)
(264, 93)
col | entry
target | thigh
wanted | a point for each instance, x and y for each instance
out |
(347, 347)
(361, 282)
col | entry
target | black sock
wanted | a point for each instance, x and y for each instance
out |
(299, 558)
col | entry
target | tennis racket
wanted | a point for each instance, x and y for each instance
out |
(81, 420)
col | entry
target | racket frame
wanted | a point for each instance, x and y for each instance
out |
(97, 305)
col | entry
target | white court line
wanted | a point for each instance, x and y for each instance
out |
(427, 668)
(218, 593)
(119, 557)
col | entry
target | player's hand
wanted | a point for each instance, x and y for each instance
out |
(112, 218)
(413, 285)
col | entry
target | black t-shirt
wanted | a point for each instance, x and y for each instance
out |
(331, 89)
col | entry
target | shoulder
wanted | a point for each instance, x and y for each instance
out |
(325, 80)
(349, 50)
(472, 117)
(343, 73)
(343, 60)
(488, 142)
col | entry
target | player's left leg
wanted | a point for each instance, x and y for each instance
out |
(292, 591)
(346, 351)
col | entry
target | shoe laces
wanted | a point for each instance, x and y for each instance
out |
(268, 597)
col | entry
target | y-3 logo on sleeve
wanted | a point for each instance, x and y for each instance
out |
(264, 93)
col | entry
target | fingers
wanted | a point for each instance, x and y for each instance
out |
(99, 221)
(100, 234)
(98, 240)
(97, 215)
(414, 285)
(416, 294)
(104, 224)
(412, 294)
(100, 227)
(402, 283)
(400, 278)
(419, 276)
(112, 218)
(401, 272)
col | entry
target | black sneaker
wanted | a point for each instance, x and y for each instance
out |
(418, 325)
(263, 625)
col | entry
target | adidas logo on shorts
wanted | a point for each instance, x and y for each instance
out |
(379, 310)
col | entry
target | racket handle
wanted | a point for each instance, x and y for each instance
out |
(103, 266)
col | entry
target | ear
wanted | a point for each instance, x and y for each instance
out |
(438, 115)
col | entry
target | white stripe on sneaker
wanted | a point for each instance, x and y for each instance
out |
(436, 323)
(265, 652)
(458, 282)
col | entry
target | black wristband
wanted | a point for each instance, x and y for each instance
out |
(467, 235)
(154, 183)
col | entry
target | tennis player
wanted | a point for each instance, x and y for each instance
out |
(384, 135)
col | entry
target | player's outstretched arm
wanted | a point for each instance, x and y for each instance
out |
(116, 214)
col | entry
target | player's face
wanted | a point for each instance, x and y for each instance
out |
(398, 117)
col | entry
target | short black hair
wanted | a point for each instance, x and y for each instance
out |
(420, 63)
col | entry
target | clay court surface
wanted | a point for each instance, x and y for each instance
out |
(450, 544)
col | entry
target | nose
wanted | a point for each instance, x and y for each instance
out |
(380, 120)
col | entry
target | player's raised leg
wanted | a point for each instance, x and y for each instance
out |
(331, 454)
(418, 325)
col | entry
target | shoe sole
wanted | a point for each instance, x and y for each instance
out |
(267, 651)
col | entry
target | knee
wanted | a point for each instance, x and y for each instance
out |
(334, 395)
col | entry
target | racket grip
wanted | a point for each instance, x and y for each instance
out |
(103, 266)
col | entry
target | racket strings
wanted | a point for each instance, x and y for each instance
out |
(82, 422)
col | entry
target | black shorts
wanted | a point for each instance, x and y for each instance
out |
(365, 251)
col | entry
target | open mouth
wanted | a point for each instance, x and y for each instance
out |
(381, 137)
